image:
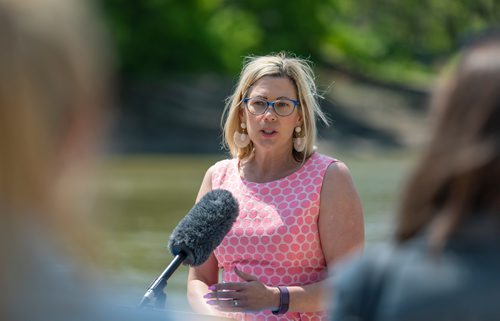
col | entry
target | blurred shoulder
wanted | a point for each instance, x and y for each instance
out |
(357, 268)
(379, 264)
(356, 281)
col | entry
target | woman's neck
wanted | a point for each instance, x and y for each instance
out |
(269, 166)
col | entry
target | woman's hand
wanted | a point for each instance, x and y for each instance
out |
(250, 295)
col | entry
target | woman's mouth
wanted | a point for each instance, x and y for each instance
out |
(268, 132)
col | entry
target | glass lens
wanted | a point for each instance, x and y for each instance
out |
(257, 106)
(283, 107)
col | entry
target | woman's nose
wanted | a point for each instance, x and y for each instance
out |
(270, 114)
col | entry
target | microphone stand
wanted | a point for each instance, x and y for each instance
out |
(155, 290)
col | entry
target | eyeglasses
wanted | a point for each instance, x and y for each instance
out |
(259, 106)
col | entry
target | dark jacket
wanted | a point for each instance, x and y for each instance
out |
(406, 283)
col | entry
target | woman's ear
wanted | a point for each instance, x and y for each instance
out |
(300, 121)
(301, 116)
(241, 114)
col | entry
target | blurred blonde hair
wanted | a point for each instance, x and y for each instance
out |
(280, 65)
(53, 78)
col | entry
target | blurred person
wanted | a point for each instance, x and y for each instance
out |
(54, 86)
(445, 263)
(298, 209)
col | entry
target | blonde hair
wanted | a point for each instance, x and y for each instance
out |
(300, 73)
(53, 66)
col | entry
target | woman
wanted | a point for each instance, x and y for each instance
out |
(446, 260)
(299, 212)
(54, 83)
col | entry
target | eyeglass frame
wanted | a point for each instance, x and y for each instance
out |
(272, 104)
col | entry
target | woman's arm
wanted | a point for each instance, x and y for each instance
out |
(201, 277)
(341, 226)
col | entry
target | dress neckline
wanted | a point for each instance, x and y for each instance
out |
(298, 171)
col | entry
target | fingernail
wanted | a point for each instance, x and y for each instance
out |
(211, 288)
(206, 296)
(211, 302)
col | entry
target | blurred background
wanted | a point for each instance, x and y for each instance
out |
(177, 60)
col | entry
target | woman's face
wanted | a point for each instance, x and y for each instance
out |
(269, 131)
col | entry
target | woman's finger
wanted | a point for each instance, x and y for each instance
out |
(229, 286)
(221, 295)
(245, 276)
(228, 305)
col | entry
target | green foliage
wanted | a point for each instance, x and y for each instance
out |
(402, 40)
(154, 37)
(391, 39)
(234, 32)
(157, 37)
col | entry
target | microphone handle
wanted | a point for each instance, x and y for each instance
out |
(155, 290)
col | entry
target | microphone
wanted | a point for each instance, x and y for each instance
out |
(195, 238)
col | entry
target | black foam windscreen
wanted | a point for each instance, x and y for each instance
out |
(204, 227)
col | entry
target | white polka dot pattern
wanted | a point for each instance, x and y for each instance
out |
(275, 236)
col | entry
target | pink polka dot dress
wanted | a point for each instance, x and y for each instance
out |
(275, 236)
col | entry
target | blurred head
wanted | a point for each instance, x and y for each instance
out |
(53, 85)
(459, 175)
(300, 74)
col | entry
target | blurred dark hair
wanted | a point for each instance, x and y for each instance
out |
(458, 176)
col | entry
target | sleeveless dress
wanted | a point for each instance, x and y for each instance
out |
(275, 236)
